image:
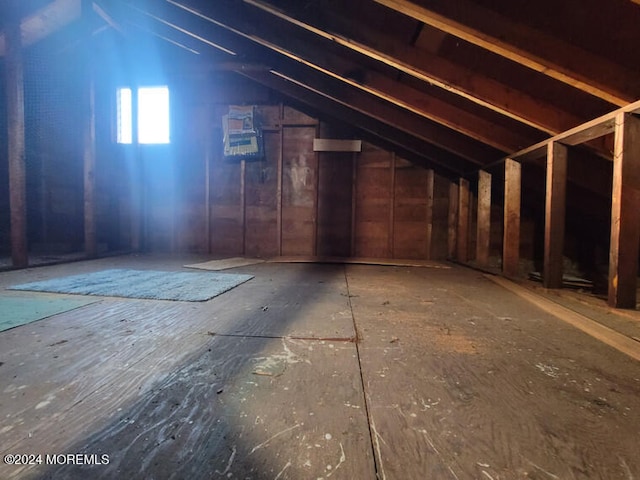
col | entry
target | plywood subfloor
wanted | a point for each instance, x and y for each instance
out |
(451, 377)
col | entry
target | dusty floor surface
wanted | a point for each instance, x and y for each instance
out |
(315, 372)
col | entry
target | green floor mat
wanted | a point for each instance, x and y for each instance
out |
(148, 284)
(19, 310)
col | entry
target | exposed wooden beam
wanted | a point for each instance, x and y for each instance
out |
(555, 207)
(452, 221)
(581, 134)
(430, 190)
(446, 114)
(14, 71)
(509, 40)
(305, 53)
(193, 26)
(367, 121)
(511, 234)
(439, 72)
(462, 234)
(483, 224)
(625, 221)
(158, 11)
(89, 135)
(102, 13)
(45, 21)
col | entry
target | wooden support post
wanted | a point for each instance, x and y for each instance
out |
(463, 221)
(279, 183)
(555, 214)
(243, 204)
(625, 220)
(511, 238)
(452, 220)
(89, 139)
(483, 227)
(14, 69)
(392, 207)
(316, 196)
(89, 156)
(354, 200)
(429, 229)
(208, 156)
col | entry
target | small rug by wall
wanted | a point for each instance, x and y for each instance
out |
(148, 284)
(19, 310)
(225, 263)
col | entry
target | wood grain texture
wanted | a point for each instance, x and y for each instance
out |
(112, 382)
(451, 377)
(483, 230)
(261, 183)
(412, 228)
(555, 210)
(464, 381)
(335, 195)
(511, 232)
(620, 342)
(14, 89)
(373, 202)
(452, 221)
(462, 235)
(299, 191)
(625, 204)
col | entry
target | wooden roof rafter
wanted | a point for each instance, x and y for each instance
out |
(450, 150)
(332, 65)
(447, 163)
(199, 28)
(442, 73)
(508, 41)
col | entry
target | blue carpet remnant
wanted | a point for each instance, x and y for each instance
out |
(20, 310)
(147, 284)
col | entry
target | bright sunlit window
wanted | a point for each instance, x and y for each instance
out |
(153, 115)
(125, 115)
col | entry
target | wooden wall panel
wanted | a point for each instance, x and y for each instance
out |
(261, 183)
(268, 115)
(439, 234)
(196, 147)
(299, 191)
(410, 211)
(295, 117)
(373, 203)
(227, 232)
(334, 203)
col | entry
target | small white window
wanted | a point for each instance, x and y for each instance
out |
(153, 119)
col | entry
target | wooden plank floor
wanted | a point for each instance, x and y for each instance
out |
(464, 380)
(452, 377)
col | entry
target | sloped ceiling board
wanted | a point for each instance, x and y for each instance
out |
(620, 87)
(375, 84)
(440, 72)
(409, 139)
(201, 28)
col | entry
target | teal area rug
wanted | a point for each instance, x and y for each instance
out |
(148, 284)
(16, 311)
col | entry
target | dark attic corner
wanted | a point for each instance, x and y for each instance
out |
(375, 239)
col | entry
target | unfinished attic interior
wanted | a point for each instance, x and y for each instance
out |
(283, 239)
